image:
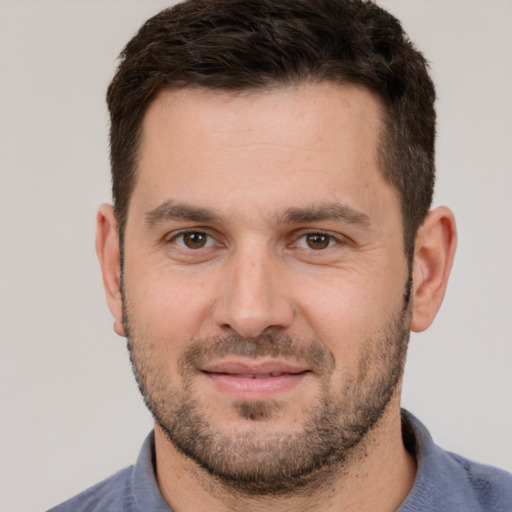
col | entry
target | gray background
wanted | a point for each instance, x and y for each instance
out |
(70, 413)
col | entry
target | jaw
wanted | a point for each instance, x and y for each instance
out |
(378, 475)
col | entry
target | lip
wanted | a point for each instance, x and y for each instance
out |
(254, 380)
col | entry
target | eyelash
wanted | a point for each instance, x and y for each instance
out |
(331, 240)
(184, 233)
(210, 241)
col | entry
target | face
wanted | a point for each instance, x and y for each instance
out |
(264, 280)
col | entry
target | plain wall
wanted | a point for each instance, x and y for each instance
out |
(70, 413)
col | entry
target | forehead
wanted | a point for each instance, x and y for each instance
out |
(317, 107)
(304, 142)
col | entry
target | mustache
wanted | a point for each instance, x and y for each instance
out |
(275, 345)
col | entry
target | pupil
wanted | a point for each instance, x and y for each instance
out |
(195, 240)
(317, 241)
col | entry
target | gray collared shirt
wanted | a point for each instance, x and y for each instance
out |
(444, 482)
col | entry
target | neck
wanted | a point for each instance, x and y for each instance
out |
(378, 476)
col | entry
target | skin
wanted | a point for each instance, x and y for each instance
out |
(249, 160)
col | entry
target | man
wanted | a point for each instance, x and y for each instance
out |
(269, 250)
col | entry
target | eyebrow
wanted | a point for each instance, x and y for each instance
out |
(330, 211)
(178, 211)
(170, 210)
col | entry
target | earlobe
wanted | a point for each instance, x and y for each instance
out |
(109, 255)
(433, 257)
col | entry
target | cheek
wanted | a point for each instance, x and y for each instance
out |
(344, 313)
(165, 307)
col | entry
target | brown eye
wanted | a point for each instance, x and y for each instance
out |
(318, 241)
(194, 240)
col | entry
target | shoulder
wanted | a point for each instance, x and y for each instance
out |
(449, 482)
(132, 489)
(491, 487)
(113, 493)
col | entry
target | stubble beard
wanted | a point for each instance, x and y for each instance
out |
(257, 461)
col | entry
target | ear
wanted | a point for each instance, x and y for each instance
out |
(109, 254)
(433, 257)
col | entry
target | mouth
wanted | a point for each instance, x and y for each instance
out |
(255, 380)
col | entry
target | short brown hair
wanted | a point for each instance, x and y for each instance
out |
(237, 45)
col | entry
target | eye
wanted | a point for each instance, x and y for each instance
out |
(316, 241)
(193, 240)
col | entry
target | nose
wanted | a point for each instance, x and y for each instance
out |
(253, 296)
